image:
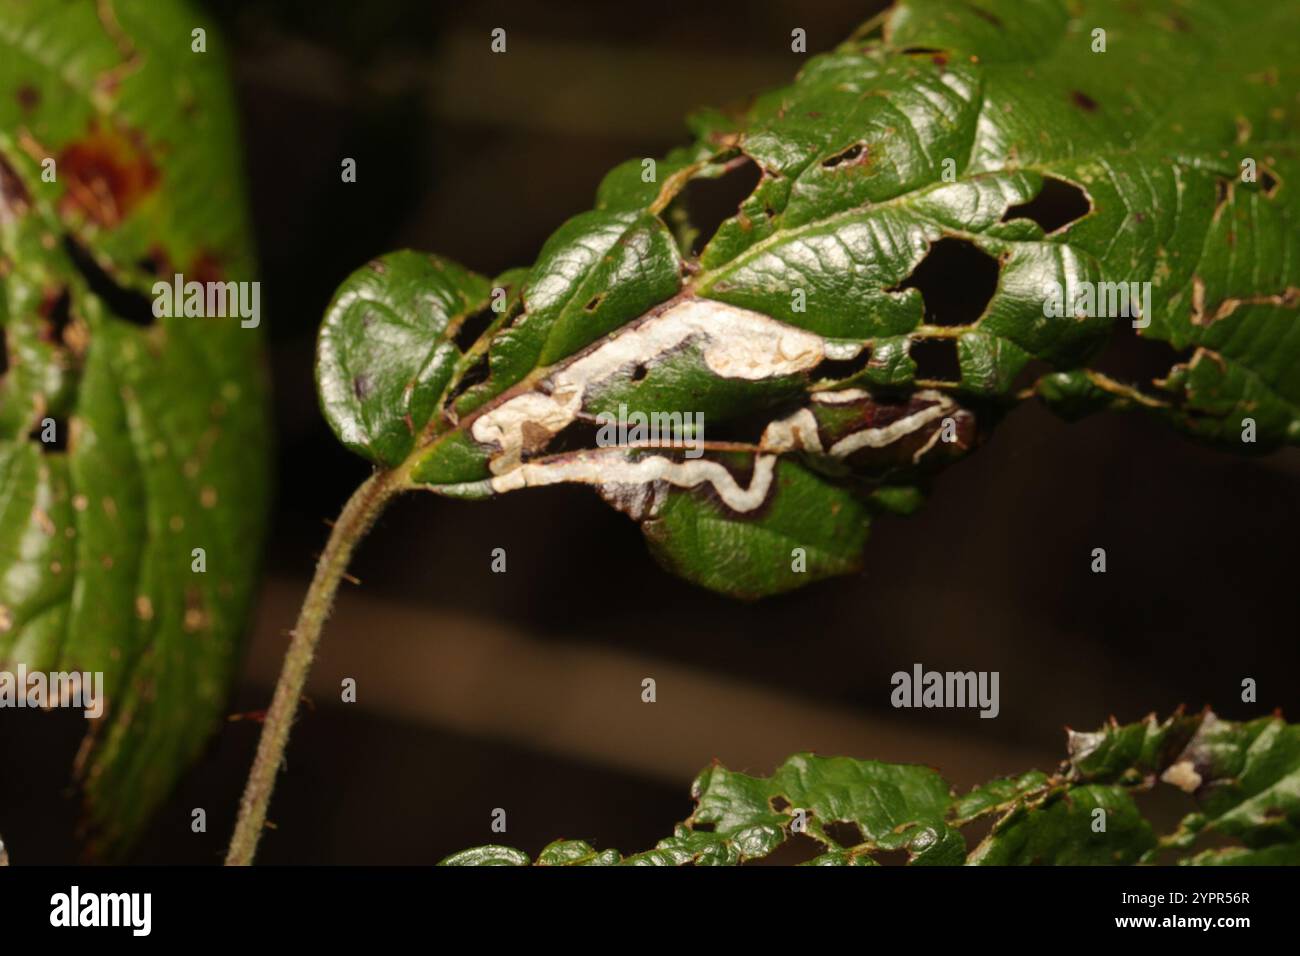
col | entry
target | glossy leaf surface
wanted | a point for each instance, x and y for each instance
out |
(961, 210)
(1244, 778)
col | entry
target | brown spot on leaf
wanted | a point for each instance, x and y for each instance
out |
(986, 14)
(196, 614)
(56, 309)
(29, 97)
(1198, 301)
(206, 267)
(14, 199)
(1083, 101)
(535, 437)
(1287, 299)
(108, 173)
(156, 262)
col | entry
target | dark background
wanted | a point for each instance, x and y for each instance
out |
(522, 690)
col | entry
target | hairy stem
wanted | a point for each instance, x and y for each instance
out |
(353, 522)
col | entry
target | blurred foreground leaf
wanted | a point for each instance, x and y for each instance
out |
(119, 167)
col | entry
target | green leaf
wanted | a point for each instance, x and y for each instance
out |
(1061, 829)
(693, 534)
(938, 223)
(162, 422)
(886, 803)
(574, 853)
(385, 354)
(997, 796)
(1244, 776)
(488, 856)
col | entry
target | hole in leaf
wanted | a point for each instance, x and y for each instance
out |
(891, 857)
(956, 280)
(1133, 359)
(594, 304)
(135, 307)
(474, 375)
(778, 803)
(836, 369)
(579, 435)
(844, 832)
(4, 351)
(1057, 204)
(471, 327)
(746, 429)
(1029, 375)
(640, 372)
(704, 827)
(855, 153)
(975, 831)
(707, 203)
(797, 848)
(1267, 182)
(936, 359)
